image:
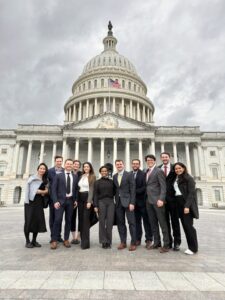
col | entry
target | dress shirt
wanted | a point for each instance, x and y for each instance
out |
(149, 173)
(58, 170)
(168, 168)
(84, 183)
(71, 183)
(176, 188)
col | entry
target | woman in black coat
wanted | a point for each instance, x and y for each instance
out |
(185, 193)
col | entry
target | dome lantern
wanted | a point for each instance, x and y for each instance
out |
(110, 41)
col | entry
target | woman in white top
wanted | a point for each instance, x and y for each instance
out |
(85, 201)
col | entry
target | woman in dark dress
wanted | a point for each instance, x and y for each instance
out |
(185, 193)
(85, 201)
(104, 205)
(37, 188)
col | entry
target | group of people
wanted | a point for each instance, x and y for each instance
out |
(157, 197)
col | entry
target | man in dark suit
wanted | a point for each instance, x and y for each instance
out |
(125, 203)
(156, 194)
(57, 169)
(140, 204)
(64, 193)
(171, 202)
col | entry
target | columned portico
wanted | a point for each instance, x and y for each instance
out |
(127, 157)
(54, 148)
(16, 159)
(174, 152)
(188, 157)
(140, 152)
(102, 152)
(77, 146)
(90, 149)
(114, 150)
(41, 159)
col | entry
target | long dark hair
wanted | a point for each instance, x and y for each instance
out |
(45, 176)
(185, 173)
(91, 177)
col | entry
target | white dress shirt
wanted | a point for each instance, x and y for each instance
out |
(84, 183)
(176, 188)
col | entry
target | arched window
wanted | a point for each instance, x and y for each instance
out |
(129, 85)
(17, 195)
(89, 85)
(95, 83)
(3, 166)
(102, 83)
(123, 84)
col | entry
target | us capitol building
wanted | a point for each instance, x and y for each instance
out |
(105, 122)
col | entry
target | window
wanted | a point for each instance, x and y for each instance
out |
(2, 168)
(83, 86)
(123, 84)
(215, 173)
(4, 151)
(135, 87)
(95, 83)
(129, 85)
(217, 195)
(89, 85)
(102, 83)
(212, 153)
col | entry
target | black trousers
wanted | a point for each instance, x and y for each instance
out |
(141, 214)
(157, 215)
(52, 219)
(106, 220)
(84, 217)
(121, 223)
(172, 218)
(66, 207)
(187, 223)
(74, 220)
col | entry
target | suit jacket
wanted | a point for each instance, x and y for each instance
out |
(140, 185)
(186, 185)
(51, 176)
(59, 188)
(170, 193)
(156, 186)
(126, 190)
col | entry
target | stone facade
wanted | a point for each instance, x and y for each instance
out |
(103, 123)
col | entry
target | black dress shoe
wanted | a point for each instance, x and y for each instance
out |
(29, 245)
(104, 245)
(36, 244)
(60, 240)
(108, 245)
(75, 242)
(176, 248)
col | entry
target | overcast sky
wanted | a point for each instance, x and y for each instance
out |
(177, 47)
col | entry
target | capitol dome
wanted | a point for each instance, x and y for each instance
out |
(93, 95)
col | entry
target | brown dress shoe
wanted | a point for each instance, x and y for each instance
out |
(53, 245)
(122, 246)
(138, 243)
(163, 250)
(67, 244)
(132, 248)
(148, 244)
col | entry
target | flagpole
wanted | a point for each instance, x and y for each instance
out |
(109, 93)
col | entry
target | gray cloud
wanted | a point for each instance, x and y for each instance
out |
(176, 46)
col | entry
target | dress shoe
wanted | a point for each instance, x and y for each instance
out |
(29, 245)
(188, 252)
(75, 242)
(66, 243)
(36, 244)
(176, 248)
(108, 245)
(60, 240)
(122, 246)
(132, 248)
(53, 245)
(104, 245)
(164, 249)
(138, 243)
(153, 246)
(148, 244)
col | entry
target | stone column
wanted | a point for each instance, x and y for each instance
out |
(102, 152)
(148, 114)
(201, 161)
(114, 150)
(131, 109)
(104, 105)
(74, 112)
(114, 105)
(162, 147)
(89, 157)
(16, 159)
(64, 150)
(206, 159)
(127, 154)
(54, 146)
(96, 106)
(174, 152)
(140, 152)
(143, 113)
(71, 114)
(188, 157)
(196, 162)
(122, 106)
(221, 160)
(138, 112)
(80, 111)
(87, 108)
(29, 152)
(152, 147)
(77, 146)
(41, 158)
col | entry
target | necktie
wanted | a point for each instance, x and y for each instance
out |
(119, 178)
(68, 183)
(135, 174)
(165, 170)
(148, 174)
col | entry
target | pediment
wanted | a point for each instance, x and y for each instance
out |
(109, 121)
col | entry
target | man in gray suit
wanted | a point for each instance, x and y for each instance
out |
(156, 194)
(125, 201)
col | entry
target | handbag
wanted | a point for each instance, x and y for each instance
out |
(46, 200)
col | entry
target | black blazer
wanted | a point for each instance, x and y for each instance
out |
(51, 176)
(170, 178)
(140, 184)
(59, 188)
(186, 185)
(126, 190)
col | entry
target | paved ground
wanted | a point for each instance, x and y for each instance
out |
(96, 273)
